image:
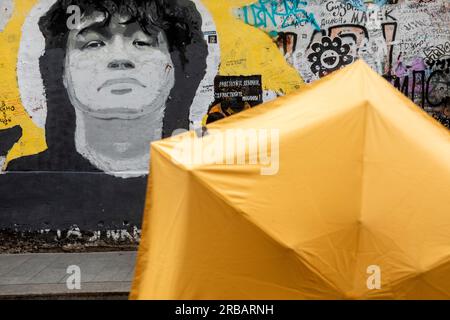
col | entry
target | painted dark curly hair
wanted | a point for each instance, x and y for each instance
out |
(179, 19)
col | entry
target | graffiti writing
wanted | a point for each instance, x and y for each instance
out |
(372, 15)
(339, 8)
(434, 53)
(234, 94)
(4, 109)
(429, 90)
(278, 13)
(361, 5)
(438, 84)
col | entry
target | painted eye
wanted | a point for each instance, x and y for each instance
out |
(94, 44)
(141, 44)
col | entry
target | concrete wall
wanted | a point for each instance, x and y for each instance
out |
(82, 96)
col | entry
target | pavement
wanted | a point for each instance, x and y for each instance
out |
(104, 275)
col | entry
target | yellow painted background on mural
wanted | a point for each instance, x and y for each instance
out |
(245, 50)
(33, 137)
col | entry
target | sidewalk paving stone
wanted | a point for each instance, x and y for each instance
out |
(46, 273)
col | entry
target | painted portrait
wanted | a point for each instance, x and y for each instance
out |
(122, 76)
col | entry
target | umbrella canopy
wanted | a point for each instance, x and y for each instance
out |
(353, 204)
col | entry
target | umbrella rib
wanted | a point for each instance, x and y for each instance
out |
(270, 235)
(243, 214)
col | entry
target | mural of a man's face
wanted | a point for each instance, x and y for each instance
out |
(117, 70)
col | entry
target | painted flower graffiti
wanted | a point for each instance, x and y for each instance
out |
(329, 55)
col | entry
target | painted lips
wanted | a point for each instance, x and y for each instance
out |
(112, 82)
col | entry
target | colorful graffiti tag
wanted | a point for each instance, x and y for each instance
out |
(276, 13)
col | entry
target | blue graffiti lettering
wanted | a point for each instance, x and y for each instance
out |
(278, 13)
(361, 4)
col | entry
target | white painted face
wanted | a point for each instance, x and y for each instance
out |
(117, 71)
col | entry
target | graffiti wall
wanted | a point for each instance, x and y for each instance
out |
(406, 41)
(85, 86)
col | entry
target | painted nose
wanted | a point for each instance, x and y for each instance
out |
(121, 65)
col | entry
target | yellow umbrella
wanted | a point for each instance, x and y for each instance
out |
(345, 196)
